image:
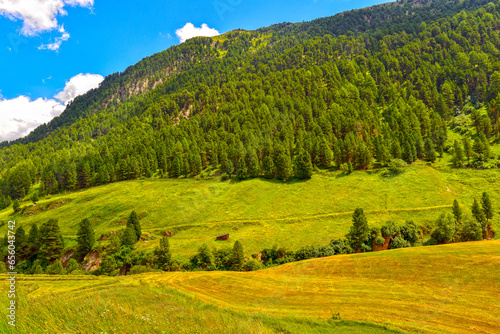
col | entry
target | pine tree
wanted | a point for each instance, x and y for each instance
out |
(133, 222)
(242, 169)
(175, 169)
(34, 239)
(268, 168)
(359, 231)
(85, 238)
(284, 167)
(467, 149)
(479, 149)
(487, 207)
(22, 249)
(164, 255)
(34, 197)
(16, 206)
(478, 214)
(254, 168)
(226, 165)
(458, 154)
(51, 244)
(429, 151)
(238, 257)
(303, 165)
(129, 237)
(457, 211)
(83, 174)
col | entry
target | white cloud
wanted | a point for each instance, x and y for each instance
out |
(20, 116)
(190, 31)
(78, 85)
(40, 16)
(55, 46)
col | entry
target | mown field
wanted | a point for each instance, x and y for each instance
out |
(437, 289)
(263, 213)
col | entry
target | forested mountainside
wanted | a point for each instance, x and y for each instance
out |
(270, 103)
(381, 19)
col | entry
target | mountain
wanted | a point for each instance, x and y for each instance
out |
(276, 101)
(154, 70)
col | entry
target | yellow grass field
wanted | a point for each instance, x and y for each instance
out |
(451, 288)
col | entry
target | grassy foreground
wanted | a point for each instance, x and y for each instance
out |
(262, 213)
(437, 289)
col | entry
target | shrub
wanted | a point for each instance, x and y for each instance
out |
(16, 206)
(252, 265)
(379, 241)
(139, 269)
(410, 232)
(390, 229)
(397, 165)
(341, 246)
(72, 266)
(445, 228)
(55, 268)
(471, 231)
(399, 242)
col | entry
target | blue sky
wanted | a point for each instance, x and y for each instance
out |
(39, 54)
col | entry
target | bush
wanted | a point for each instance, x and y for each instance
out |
(78, 272)
(3, 269)
(252, 265)
(430, 242)
(224, 177)
(72, 266)
(55, 268)
(397, 165)
(399, 242)
(390, 229)
(410, 232)
(341, 246)
(471, 231)
(16, 206)
(445, 228)
(139, 269)
(38, 270)
(379, 241)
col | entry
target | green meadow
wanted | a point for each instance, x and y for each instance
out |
(259, 212)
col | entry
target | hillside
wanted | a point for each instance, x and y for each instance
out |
(164, 66)
(440, 289)
(259, 212)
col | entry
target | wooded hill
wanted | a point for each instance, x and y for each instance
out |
(360, 89)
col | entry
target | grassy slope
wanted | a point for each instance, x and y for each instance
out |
(448, 288)
(262, 213)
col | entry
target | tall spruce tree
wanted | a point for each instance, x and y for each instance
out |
(457, 211)
(303, 165)
(238, 257)
(133, 222)
(51, 244)
(85, 238)
(359, 231)
(164, 255)
(487, 207)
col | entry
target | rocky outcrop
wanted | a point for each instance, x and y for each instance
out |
(92, 261)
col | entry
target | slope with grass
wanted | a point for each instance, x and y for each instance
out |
(439, 289)
(262, 213)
